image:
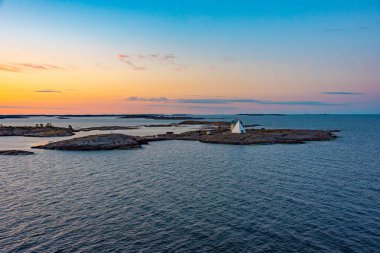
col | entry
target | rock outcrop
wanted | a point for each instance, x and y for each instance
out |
(95, 142)
(252, 136)
(15, 152)
(217, 136)
(35, 131)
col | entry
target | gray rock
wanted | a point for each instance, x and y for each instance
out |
(35, 131)
(252, 136)
(95, 142)
(15, 152)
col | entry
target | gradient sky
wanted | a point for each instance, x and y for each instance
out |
(189, 56)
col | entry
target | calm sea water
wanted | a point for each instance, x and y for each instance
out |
(183, 196)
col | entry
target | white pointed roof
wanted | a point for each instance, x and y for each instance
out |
(238, 128)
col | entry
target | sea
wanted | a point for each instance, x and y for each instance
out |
(187, 196)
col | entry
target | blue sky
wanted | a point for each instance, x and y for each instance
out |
(278, 51)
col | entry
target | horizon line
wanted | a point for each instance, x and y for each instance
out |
(179, 114)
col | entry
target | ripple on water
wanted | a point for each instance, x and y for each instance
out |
(188, 196)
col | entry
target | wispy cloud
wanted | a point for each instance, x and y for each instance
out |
(158, 99)
(127, 60)
(195, 107)
(254, 101)
(142, 61)
(29, 107)
(48, 91)
(230, 101)
(13, 107)
(341, 93)
(10, 68)
(39, 66)
(22, 67)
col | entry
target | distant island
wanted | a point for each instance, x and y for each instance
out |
(36, 131)
(15, 152)
(259, 114)
(48, 130)
(13, 117)
(122, 116)
(158, 117)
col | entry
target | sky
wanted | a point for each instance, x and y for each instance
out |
(189, 56)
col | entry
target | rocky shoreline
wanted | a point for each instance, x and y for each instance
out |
(95, 142)
(252, 137)
(29, 131)
(15, 152)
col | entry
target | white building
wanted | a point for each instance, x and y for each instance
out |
(238, 128)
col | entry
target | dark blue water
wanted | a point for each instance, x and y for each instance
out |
(182, 196)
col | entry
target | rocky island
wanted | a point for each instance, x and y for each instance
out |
(37, 131)
(217, 136)
(15, 152)
(95, 142)
(252, 136)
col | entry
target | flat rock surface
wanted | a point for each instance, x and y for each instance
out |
(253, 136)
(35, 131)
(95, 142)
(15, 152)
(285, 136)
